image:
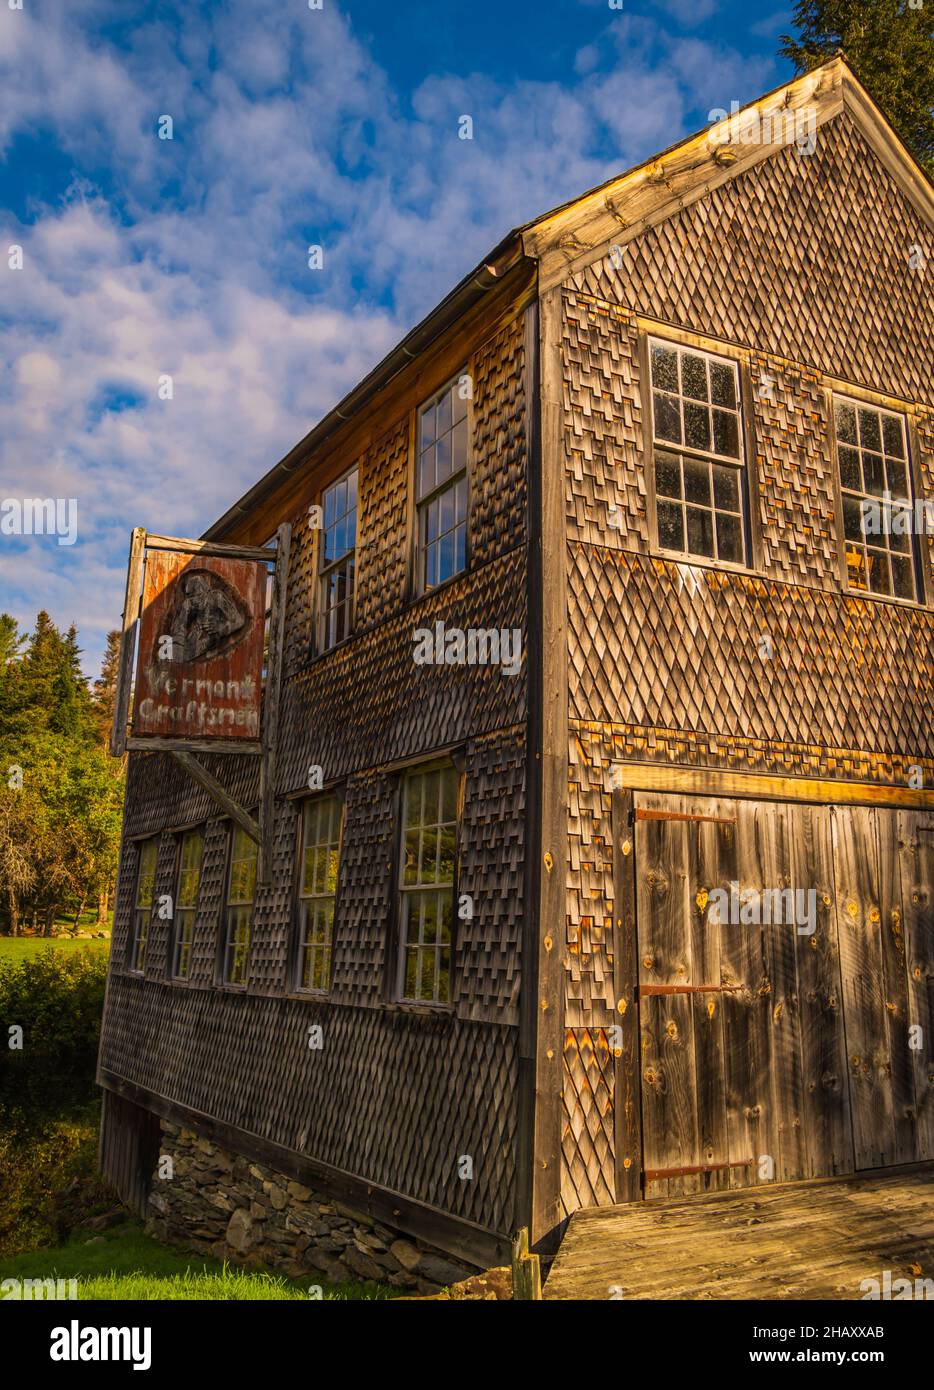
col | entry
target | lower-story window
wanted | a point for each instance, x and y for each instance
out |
(145, 897)
(190, 854)
(426, 889)
(321, 835)
(238, 912)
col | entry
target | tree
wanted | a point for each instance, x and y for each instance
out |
(889, 44)
(53, 692)
(21, 828)
(11, 644)
(60, 793)
(105, 688)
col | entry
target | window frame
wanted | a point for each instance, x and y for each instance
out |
(402, 892)
(848, 396)
(745, 439)
(324, 570)
(193, 832)
(136, 962)
(224, 942)
(420, 504)
(335, 794)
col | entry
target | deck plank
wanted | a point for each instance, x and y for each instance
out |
(810, 1240)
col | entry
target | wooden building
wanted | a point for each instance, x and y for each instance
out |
(636, 440)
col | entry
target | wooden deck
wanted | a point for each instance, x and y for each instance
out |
(809, 1240)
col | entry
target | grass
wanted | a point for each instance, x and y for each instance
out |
(124, 1263)
(49, 1185)
(17, 948)
(48, 1174)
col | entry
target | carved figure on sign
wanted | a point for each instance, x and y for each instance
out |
(207, 619)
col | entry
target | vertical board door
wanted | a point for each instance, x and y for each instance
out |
(743, 1061)
(883, 862)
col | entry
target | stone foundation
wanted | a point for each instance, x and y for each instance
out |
(221, 1204)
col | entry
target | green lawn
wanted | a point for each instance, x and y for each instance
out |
(124, 1263)
(17, 948)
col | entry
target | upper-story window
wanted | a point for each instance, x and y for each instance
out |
(875, 487)
(426, 888)
(238, 909)
(441, 483)
(698, 453)
(145, 899)
(321, 833)
(190, 853)
(338, 559)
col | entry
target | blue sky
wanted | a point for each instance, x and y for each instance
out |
(145, 258)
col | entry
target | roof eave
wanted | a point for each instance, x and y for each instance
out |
(475, 286)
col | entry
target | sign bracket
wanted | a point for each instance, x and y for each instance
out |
(209, 782)
(183, 750)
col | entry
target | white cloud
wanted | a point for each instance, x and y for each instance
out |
(188, 257)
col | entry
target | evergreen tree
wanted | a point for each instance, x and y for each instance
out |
(889, 44)
(11, 643)
(105, 688)
(60, 793)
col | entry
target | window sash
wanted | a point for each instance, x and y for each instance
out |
(701, 508)
(316, 941)
(340, 502)
(143, 917)
(427, 885)
(718, 512)
(722, 412)
(336, 621)
(184, 933)
(187, 893)
(238, 911)
(427, 941)
(144, 901)
(320, 868)
(872, 459)
(450, 541)
(441, 470)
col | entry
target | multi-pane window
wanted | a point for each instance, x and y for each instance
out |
(186, 900)
(320, 854)
(238, 913)
(145, 897)
(427, 887)
(441, 476)
(699, 486)
(876, 493)
(338, 558)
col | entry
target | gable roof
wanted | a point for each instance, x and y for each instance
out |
(576, 233)
(568, 237)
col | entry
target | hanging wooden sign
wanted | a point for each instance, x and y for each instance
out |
(200, 659)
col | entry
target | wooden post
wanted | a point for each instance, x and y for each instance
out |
(526, 1270)
(127, 642)
(270, 733)
(628, 1063)
(543, 982)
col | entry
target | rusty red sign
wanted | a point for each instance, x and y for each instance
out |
(200, 661)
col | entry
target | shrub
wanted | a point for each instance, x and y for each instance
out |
(48, 1101)
(57, 999)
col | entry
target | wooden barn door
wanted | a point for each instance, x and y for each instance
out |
(743, 1062)
(884, 863)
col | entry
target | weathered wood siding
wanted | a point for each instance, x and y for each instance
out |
(395, 1096)
(129, 1148)
(801, 266)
